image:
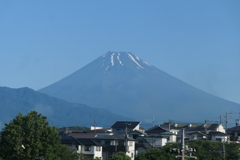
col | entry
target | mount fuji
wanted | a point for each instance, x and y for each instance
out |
(124, 84)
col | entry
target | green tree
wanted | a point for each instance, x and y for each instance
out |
(232, 151)
(30, 137)
(120, 156)
(158, 154)
(203, 151)
(67, 153)
(210, 150)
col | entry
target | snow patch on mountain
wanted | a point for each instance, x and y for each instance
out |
(112, 59)
(118, 57)
(107, 68)
(137, 58)
(147, 63)
(130, 56)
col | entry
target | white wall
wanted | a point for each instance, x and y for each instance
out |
(157, 142)
(131, 149)
(221, 129)
(223, 138)
(173, 138)
(97, 154)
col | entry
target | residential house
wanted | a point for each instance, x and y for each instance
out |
(87, 147)
(100, 131)
(196, 136)
(161, 132)
(234, 133)
(155, 137)
(116, 143)
(136, 133)
(218, 136)
(120, 127)
(193, 127)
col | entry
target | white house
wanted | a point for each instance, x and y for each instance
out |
(116, 143)
(196, 136)
(218, 136)
(87, 147)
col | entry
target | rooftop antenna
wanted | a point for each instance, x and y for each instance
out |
(153, 121)
(169, 124)
(95, 126)
(227, 117)
(220, 119)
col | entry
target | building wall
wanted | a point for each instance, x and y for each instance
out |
(221, 129)
(173, 138)
(98, 152)
(157, 142)
(92, 150)
(217, 138)
(131, 149)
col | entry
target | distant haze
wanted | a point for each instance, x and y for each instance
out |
(123, 83)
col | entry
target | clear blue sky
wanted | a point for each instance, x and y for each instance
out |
(198, 42)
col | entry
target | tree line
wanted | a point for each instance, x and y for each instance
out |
(203, 150)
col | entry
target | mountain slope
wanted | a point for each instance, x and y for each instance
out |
(58, 112)
(123, 83)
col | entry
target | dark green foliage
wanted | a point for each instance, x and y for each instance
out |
(67, 153)
(156, 154)
(120, 156)
(210, 150)
(30, 136)
(204, 151)
(232, 151)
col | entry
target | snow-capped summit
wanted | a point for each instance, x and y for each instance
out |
(123, 59)
(125, 84)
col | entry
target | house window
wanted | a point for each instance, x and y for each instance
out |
(98, 148)
(131, 144)
(121, 143)
(87, 148)
(131, 155)
(107, 143)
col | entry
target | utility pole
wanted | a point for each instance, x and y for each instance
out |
(227, 117)
(153, 121)
(169, 124)
(95, 127)
(152, 126)
(220, 120)
(126, 137)
(221, 152)
(183, 144)
(184, 148)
